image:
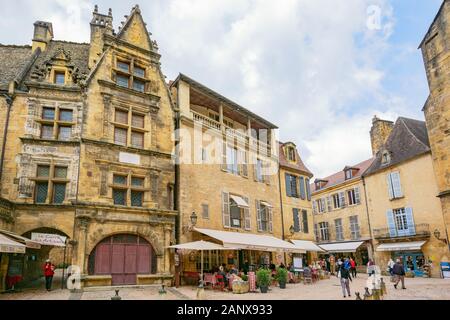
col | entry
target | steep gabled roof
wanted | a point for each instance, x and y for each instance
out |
(339, 177)
(14, 61)
(297, 166)
(408, 139)
(136, 14)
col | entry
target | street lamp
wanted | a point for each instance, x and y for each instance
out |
(193, 221)
(437, 235)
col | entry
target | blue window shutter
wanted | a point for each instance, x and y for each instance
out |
(410, 221)
(288, 185)
(302, 188)
(390, 187)
(305, 221)
(296, 220)
(391, 223)
(308, 189)
(397, 186)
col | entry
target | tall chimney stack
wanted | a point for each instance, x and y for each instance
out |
(101, 24)
(43, 34)
(381, 129)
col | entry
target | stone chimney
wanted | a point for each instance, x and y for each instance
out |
(381, 129)
(43, 34)
(101, 24)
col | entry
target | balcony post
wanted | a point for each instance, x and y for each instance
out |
(221, 117)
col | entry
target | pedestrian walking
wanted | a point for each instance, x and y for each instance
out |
(353, 267)
(391, 264)
(370, 267)
(49, 272)
(399, 272)
(345, 277)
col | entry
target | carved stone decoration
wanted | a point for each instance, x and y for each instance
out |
(106, 116)
(104, 181)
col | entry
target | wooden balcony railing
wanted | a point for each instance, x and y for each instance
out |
(416, 230)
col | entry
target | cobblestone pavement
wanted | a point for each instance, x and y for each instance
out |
(417, 289)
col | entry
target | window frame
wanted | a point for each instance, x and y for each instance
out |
(129, 188)
(56, 123)
(51, 180)
(129, 127)
(131, 75)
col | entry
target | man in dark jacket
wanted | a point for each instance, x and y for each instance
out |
(399, 272)
(344, 274)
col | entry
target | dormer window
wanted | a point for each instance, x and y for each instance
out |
(385, 157)
(291, 153)
(60, 78)
(348, 174)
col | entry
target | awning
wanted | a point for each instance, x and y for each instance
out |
(28, 242)
(342, 246)
(199, 246)
(239, 201)
(249, 241)
(307, 245)
(401, 246)
(9, 246)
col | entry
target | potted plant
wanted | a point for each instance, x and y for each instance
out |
(282, 277)
(263, 278)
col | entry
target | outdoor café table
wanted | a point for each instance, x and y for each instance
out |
(209, 278)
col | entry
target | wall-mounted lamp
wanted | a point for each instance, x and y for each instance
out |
(193, 221)
(437, 235)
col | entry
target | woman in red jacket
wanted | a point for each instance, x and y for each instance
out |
(49, 271)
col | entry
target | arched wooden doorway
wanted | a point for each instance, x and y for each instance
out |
(123, 256)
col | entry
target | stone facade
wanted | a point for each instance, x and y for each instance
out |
(210, 126)
(380, 131)
(340, 211)
(436, 56)
(114, 150)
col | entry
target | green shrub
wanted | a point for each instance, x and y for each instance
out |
(282, 275)
(244, 277)
(263, 277)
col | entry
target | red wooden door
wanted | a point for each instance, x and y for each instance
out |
(124, 258)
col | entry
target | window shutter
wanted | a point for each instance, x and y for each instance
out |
(357, 196)
(391, 223)
(390, 186)
(255, 167)
(330, 208)
(323, 202)
(342, 199)
(305, 221)
(397, 187)
(247, 222)
(308, 190)
(302, 188)
(314, 207)
(226, 210)
(316, 232)
(258, 215)
(244, 164)
(266, 177)
(270, 220)
(224, 157)
(296, 220)
(288, 185)
(410, 221)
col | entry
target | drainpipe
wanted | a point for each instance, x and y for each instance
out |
(9, 101)
(368, 219)
(281, 209)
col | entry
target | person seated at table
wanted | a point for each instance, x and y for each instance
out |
(246, 267)
(282, 265)
(233, 270)
(272, 267)
(222, 273)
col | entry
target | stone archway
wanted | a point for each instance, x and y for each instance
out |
(123, 256)
(34, 259)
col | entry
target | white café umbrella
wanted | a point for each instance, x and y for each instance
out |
(200, 246)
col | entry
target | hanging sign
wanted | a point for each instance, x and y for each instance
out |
(47, 239)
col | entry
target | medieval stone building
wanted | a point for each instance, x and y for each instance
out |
(436, 56)
(86, 145)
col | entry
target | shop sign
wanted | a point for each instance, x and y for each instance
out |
(47, 239)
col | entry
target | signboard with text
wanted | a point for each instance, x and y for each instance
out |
(47, 239)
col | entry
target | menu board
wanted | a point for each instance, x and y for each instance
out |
(298, 263)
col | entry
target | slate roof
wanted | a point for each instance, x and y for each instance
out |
(78, 52)
(13, 61)
(339, 177)
(408, 139)
(298, 166)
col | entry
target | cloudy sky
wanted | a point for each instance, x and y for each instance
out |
(319, 69)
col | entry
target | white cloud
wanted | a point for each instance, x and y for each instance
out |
(312, 67)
